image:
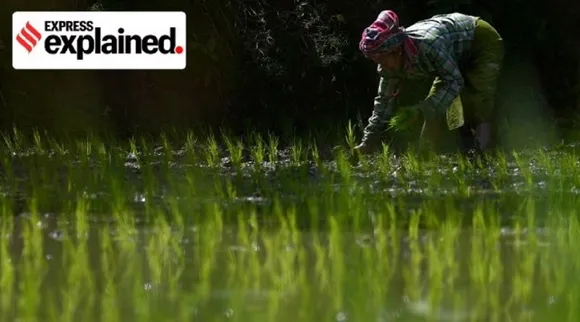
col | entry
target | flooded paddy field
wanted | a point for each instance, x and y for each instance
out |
(254, 231)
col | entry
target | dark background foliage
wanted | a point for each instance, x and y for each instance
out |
(280, 65)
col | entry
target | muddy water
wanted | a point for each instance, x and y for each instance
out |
(377, 280)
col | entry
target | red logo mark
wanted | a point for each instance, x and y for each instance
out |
(27, 33)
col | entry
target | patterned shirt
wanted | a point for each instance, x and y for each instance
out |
(442, 41)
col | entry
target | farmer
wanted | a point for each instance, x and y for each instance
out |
(464, 53)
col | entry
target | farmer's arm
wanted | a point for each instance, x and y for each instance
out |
(449, 73)
(383, 108)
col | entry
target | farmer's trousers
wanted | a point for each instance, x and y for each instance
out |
(480, 68)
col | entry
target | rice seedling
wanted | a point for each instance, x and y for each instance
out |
(258, 152)
(350, 136)
(235, 151)
(402, 119)
(212, 152)
(273, 149)
(296, 153)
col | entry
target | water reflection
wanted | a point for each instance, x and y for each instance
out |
(449, 274)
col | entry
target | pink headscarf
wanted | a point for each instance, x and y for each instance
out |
(385, 34)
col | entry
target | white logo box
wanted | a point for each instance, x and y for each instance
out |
(34, 38)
